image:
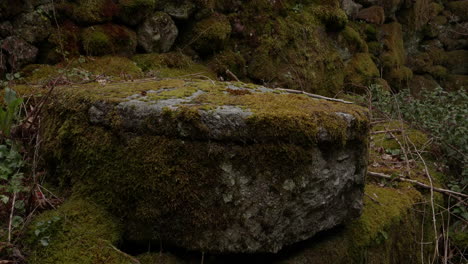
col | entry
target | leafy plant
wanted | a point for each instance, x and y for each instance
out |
(10, 113)
(443, 114)
(12, 186)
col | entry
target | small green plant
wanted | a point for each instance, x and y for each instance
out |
(10, 113)
(43, 230)
(13, 190)
(443, 114)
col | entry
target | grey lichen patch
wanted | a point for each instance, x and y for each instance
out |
(208, 110)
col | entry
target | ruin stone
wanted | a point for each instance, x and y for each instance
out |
(214, 167)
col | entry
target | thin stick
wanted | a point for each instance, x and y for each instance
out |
(313, 95)
(232, 75)
(401, 178)
(386, 131)
(373, 199)
(404, 153)
(11, 216)
(434, 221)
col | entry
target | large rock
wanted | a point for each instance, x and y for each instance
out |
(157, 33)
(32, 27)
(215, 167)
(18, 51)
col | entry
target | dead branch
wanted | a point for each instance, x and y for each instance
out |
(420, 184)
(232, 75)
(386, 131)
(11, 216)
(313, 95)
(373, 199)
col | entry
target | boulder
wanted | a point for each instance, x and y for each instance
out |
(18, 52)
(32, 27)
(209, 166)
(350, 7)
(373, 14)
(157, 33)
(179, 10)
(133, 12)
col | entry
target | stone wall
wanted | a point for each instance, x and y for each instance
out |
(319, 46)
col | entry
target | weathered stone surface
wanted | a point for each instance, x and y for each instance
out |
(32, 27)
(157, 33)
(18, 51)
(218, 167)
(5, 29)
(133, 12)
(179, 10)
(373, 14)
(350, 7)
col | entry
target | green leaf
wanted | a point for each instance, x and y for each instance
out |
(16, 221)
(4, 198)
(44, 241)
(10, 96)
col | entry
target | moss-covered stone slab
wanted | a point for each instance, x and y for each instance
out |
(209, 166)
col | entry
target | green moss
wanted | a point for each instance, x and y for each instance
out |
(400, 77)
(118, 67)
(438, 72)
(108, 39)
(172, 64)
(210, 34)
(360, 72)
(65, 42)
(394, 55)
(333, 18)
(228, 60)
(354, 40)
(78, 232)
(153, 159)
(76, 71)
(295, 52)
(39, 73)
(89, 11)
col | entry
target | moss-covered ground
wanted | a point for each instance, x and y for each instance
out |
(385, 233)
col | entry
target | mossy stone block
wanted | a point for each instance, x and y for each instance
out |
(209, 166)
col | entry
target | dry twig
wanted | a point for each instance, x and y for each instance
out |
(314, 95)
(420, 184)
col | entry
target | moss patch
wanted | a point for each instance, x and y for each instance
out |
(79, 70)
(172, 64)
(89, 11)
(78, 232)
(360, 72)
(210, 34)
(108, 39)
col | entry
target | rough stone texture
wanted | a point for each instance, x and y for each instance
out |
(5, 29)
(18, 52)
(215, 167)
(350, 7)
(157, 33)
(179, 11)
(373, 14)
(32, 27)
